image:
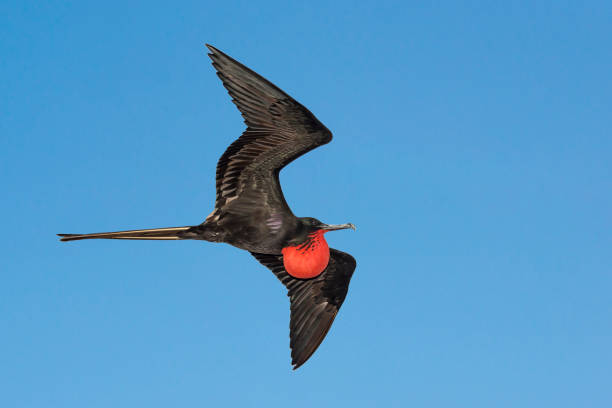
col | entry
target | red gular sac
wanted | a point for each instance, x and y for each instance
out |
(307, 260)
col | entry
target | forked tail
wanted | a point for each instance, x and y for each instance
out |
(155, 233)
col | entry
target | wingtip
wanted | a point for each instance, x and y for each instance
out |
(213, 50)
(299, 361)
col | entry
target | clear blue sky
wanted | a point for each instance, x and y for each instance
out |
(472, 150)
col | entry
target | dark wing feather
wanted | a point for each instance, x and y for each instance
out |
(279, 130)
(314, 302)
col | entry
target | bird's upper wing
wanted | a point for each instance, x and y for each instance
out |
(314, 302)
(279, 130)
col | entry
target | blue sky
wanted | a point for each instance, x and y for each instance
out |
(472, 150)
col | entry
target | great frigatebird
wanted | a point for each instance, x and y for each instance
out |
(251, 212)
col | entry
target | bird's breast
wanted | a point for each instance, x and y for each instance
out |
(307, 260)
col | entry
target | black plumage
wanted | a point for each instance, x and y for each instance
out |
(250, 210)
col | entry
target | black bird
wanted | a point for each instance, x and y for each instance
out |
(251, 212)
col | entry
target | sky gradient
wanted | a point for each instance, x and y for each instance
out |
(472, 149)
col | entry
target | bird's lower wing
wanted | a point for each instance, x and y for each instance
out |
(314, 302)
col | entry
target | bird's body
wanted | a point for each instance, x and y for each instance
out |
(251, 212)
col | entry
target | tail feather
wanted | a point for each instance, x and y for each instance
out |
(155, 233)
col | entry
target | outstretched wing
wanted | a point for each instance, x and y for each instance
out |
(314, 302)
(279, 130)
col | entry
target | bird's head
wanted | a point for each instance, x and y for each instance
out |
(312, 225)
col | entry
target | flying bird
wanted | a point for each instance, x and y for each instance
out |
(251, 212)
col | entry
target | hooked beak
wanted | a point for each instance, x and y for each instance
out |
(334, 227)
